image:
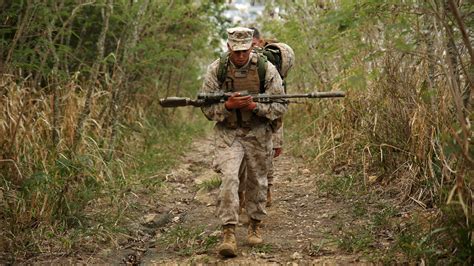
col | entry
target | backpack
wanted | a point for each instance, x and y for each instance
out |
(279, 54)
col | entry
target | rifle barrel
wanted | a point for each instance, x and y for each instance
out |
(323, 94)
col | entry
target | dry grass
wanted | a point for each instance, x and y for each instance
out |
(405, 131)
(55, 200)
(45, 186)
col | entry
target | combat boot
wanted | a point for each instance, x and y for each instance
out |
(254, 236)
(269, 196)
(228, 248)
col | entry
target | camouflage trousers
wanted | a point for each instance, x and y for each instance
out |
(247, 154)
(243, 174)
(270, 170)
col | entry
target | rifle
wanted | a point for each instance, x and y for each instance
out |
(204, 99)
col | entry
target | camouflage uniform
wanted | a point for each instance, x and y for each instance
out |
(250, 145)
(277, 140)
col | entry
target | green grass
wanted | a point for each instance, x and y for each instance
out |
(188, 241)
(263, 248)
(162, 145)
(381, 218)
(356, 239)
(83, 202)
(318, 249)
(359, 208)
(341, 186)
(211, 184)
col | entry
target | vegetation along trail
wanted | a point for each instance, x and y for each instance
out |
(94, 170)
(305, 224)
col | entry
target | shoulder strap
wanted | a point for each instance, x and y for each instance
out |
(223, 66)
(261, 64)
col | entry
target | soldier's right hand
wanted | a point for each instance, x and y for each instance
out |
(276, 152)
(237, 102)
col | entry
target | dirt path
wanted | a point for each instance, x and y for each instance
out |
(302, 225)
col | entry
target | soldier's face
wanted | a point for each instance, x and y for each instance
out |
(239, 58)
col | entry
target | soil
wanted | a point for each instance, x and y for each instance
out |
(302, 224)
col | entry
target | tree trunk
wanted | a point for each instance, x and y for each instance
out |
(106, 11)
(465, 37)
(127, 58)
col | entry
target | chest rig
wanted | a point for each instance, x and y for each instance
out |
(247, 78)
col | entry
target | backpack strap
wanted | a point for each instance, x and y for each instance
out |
(261, 64)
(222, 69)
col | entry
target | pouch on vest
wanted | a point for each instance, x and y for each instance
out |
(242, 79)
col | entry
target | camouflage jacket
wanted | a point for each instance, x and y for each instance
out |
(217, 112)
(277, 138)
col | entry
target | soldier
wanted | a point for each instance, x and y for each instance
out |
(277, 138)
(242, 134)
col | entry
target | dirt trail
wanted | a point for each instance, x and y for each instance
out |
(302, 225)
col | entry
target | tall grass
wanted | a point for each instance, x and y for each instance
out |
(80, 125)
(406, 120)
(401, 135)
(53, 199)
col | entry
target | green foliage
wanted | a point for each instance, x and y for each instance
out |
(345, 186)
(61, 199)
(188, 241)
(418, 243)
(162, 144)
(402, 120)
(263, 248)
(381, 218)
(211, 184)
(357, 240)
(81, 126)
(457, 232)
